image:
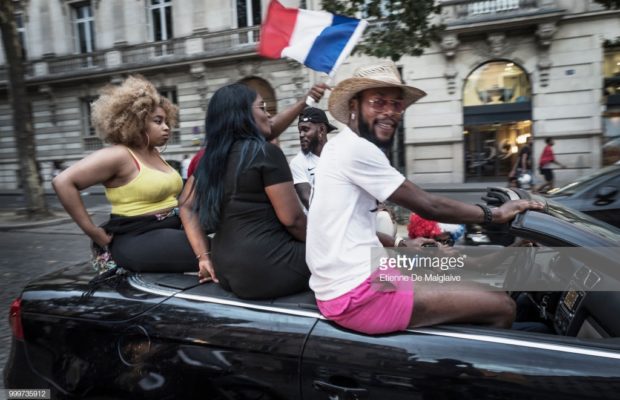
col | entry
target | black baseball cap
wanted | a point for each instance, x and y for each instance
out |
(316, 116)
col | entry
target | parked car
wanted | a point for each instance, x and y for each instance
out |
(596, 194)
(162, 336)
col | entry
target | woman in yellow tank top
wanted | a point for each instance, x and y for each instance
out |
(144, 232)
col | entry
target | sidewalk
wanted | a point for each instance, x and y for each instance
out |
(460, 187)
(13, 210)
(17, 219)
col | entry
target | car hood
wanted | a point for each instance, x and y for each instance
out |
(72, 292)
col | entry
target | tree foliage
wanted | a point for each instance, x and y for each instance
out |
(22, 114)
(610, 4)
(397, 28)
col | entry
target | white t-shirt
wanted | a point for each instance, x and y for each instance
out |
(351, 176)
(303, 167)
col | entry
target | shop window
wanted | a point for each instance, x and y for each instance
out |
(611, 73)
(491, 149)
(497, 82)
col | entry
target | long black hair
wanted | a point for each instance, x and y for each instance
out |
(229, 119)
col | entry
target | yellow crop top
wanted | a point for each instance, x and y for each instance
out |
(152, 190)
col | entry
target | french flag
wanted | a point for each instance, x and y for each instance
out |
(319, 40)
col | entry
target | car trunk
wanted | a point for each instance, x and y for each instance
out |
(74, 292)
(75, 324)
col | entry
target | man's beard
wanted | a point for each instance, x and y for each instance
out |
(312, 146)
(367, 133)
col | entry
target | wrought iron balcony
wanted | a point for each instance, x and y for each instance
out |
(463, 12)
(198, 47)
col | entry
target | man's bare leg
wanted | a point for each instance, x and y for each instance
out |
(435, 305)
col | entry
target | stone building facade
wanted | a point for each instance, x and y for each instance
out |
(187, 48)
(509, 69)
(504, 69)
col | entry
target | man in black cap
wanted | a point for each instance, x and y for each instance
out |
(313, 129)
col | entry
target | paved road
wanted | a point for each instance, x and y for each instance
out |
(30, 252)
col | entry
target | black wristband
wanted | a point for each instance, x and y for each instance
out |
(488, 215)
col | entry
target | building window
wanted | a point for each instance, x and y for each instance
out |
(91, 140)
(611, 73)
(265, 90)
(21, 32)
(175, 133)
(160, 15)
(84, 27)
(248, 14)
(497, 82)
(611, 115)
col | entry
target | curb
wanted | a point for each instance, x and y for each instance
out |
(34, 224)
(459, 187)
(62, 219)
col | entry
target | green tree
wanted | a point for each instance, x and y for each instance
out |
(397, 28)
(22, 114)
(615, 4)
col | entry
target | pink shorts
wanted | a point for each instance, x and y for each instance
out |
(383, 303)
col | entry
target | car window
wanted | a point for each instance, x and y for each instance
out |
(586, 222)
(610, 180)
(583, 182)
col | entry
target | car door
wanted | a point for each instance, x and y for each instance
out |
(449, 362)
(206, 343)
(606, 209)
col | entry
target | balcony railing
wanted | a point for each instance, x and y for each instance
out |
(191, 48)
(456, 12)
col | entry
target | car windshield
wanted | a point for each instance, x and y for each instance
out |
(582, 182)
(584, 221)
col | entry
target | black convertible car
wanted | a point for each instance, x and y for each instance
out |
(162, 336)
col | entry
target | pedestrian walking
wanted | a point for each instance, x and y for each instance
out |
(547, 158)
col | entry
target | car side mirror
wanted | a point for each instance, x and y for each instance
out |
(606, 195)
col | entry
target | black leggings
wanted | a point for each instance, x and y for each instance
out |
(162, 248)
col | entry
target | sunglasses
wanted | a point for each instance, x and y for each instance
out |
(379, 105)
(262, 106)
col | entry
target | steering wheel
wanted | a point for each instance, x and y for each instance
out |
(519, 271)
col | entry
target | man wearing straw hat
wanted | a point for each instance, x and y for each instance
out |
(353, 174)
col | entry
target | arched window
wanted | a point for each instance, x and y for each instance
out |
(265, 90)
(497, 82)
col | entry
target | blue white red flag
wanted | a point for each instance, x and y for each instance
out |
(319, 40)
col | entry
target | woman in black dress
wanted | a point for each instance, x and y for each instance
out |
(244, 194)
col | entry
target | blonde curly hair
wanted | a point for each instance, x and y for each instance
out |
(120, 113)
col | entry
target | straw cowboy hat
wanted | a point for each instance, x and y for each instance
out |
(384, 74)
